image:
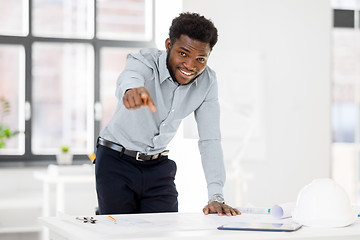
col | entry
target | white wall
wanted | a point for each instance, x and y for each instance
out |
(165, 12)
(291, 40)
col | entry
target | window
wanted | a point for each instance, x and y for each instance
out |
(59, 62)
(113, 61)
(12, 86)
(124, 19)
(62, 87)
(66, 18)
(14, 17)
(346, 98)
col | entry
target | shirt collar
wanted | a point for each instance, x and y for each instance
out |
(164, 71)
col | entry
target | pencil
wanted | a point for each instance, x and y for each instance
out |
(92, 157)
(112, 218)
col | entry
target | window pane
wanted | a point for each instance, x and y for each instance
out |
(62, 98)
(124, 19)
(63, 18)
(112, 62)
(14, 17)
(12, 83)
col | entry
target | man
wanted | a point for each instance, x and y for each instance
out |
(156, 91)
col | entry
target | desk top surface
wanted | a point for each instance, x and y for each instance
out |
(183, 226)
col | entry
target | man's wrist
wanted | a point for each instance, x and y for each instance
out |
(217, 198)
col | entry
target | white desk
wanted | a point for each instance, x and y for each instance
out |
(189, 226)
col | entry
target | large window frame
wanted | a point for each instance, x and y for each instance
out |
(28, 158)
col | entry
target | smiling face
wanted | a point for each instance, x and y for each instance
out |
(186, 59)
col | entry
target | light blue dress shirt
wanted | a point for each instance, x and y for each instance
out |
(150, 133)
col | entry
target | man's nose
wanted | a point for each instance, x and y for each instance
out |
(190, 64)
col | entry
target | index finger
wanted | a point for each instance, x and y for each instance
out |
(151, 105)
(148, 100)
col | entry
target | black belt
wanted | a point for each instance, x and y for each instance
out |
(137, 155)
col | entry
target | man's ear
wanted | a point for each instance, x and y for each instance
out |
(168, 45)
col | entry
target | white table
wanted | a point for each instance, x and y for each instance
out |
(187, 226)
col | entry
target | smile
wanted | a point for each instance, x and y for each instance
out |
(186, 73)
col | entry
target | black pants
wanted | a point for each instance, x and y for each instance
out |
(125, 185)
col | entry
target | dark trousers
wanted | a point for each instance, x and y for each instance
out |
(125, 185)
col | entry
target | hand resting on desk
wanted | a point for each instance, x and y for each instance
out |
(220, 209)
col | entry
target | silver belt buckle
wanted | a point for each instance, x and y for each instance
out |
(156, 156)
(137, 157)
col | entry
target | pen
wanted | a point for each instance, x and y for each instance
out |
(112, 219)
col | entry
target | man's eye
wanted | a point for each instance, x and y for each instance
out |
(201, 60)
(182, 54)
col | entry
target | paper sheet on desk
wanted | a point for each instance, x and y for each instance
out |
(137, 223)
(164, 222)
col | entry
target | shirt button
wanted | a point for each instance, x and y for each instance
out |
(173, 110)
(164, 124)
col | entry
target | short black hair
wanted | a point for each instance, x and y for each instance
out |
(194, 26)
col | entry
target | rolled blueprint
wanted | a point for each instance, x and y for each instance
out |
(283, 210)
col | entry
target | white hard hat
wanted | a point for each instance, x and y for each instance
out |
(323, 203)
